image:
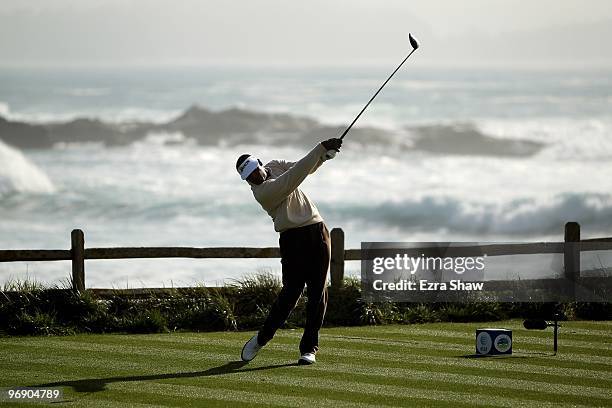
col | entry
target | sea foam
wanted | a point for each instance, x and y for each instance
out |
(20, 175)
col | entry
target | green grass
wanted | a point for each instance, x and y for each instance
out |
(414, 365)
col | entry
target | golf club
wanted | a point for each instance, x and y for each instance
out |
(415, 45)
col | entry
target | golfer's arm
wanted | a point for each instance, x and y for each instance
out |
(277, 190)
(285, 165)
(319, 163)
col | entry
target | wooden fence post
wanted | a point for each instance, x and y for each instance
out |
(337, 257)
(571, 256)
(77, 252)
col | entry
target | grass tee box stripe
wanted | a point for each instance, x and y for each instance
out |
(414, 365)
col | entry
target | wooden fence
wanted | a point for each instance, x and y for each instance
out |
(571, 248)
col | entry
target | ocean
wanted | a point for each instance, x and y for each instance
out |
(469, 155)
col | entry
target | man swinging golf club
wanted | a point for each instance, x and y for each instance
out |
(304, 239)
(304, 243)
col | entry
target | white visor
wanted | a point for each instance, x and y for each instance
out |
(247, 167)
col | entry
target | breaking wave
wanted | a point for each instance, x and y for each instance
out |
(20, 175)
(520, 217)
(241, 126)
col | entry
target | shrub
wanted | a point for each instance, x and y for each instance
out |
(471, 312)
(590, 311)
(30, 309)
(220, 313)
(533, 310)
(344, 306)
(151, 321)
(420, 313)
(254, 294)
(201, 310)
(37, 324)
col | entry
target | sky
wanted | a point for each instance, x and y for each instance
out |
(538, 33)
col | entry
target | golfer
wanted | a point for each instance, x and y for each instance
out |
(304, 243)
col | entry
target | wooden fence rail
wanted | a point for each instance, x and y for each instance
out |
(571, 248)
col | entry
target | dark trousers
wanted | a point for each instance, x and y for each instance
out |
(305, 254)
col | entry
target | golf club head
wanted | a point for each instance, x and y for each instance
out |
(413, 41)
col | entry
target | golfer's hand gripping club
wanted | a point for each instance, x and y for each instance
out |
(330, 154)
(332, 146)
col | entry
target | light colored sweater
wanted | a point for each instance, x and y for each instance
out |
(280, 196)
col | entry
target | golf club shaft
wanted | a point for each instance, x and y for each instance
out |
(377, 92)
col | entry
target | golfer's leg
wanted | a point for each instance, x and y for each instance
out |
(293, 285)
(316, 282)
(315, 313)
(280, 310)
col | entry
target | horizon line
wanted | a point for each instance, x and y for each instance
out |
(533, 66)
